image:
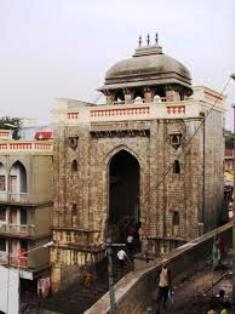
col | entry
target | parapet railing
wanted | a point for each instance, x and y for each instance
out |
(26, 146)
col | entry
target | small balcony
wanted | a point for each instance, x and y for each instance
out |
(17, 230)
(18, 197)
(14, 197)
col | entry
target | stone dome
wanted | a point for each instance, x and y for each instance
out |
(148, 67)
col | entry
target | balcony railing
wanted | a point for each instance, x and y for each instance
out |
(19, 230)
(26, 146)
(18, 197)
(15, 197)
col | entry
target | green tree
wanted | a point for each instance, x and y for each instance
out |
(11, 123)
(229, 139)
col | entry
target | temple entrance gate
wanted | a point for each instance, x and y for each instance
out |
(124, 181)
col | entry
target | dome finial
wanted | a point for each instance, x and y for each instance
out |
(148, 39)
(156, 38)
(140, 41)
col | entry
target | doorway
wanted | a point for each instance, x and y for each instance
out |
(124, 181)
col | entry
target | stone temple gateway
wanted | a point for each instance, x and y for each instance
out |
(149, 153)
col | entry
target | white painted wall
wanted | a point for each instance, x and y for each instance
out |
(9, 292)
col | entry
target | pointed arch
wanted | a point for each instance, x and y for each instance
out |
(17, 182)
(118, 148)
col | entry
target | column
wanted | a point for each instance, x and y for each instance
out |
(128, 96)
(148, 94)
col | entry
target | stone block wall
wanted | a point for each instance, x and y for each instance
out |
(81, 179)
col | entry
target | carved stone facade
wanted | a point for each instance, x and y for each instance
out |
(154, 159)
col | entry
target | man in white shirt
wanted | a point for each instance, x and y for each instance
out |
(122, 257)
(164, 283)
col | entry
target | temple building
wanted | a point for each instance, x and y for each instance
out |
(149, 157)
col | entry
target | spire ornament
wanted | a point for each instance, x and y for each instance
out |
(148, 39)
(140, 41)
(156, 39)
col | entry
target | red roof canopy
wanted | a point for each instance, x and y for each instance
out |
(43, 135)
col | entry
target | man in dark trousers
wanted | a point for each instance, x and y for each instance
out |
(164, 284)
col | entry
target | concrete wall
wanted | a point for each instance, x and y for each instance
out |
(133, 292)
(41, 178)
(43, 220)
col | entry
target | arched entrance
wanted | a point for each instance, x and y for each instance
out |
(124, 174)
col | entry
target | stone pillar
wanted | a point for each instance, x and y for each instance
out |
(148, 94)
(172, 94)
(18, 220)
(110, 98)
(128, 96)
(55, 278)
(7, 216)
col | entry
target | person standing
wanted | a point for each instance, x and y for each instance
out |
(122, 257)
(164, 283)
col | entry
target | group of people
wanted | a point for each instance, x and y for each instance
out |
(221, 302)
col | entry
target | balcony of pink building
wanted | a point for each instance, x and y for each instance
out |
(26, 146)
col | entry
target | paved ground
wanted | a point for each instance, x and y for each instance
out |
(195, 295)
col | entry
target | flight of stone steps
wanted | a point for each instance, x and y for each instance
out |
(77, 297)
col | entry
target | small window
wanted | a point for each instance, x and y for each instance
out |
(176, 167)
(176, 218)
(74, 165)
(3, 245)
(175, 139)
(74, 209)
(175, 224)
(2, 183)
(73, 142)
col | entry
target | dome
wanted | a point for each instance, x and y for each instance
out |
(148, 67)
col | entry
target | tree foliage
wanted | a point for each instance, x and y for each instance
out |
(11, 123)
(229, 139)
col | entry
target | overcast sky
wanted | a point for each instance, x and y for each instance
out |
(62, 48)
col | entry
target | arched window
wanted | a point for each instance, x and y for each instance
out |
(176, 166)
(74, 165)
(138, 100)
(138, 96)
(74, 214)
(119, 97)
(74, 209)
(18, 178)
(157, 99)
(175, 224)
(2, 178)
(176, 218)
